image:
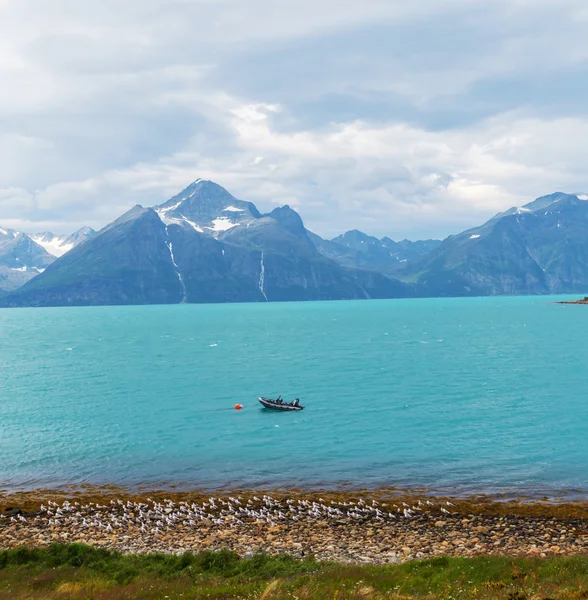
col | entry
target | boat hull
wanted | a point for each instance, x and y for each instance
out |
(273, 405)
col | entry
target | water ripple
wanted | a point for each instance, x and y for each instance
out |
(479, 394)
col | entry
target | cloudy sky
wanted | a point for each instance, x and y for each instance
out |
(409, 119)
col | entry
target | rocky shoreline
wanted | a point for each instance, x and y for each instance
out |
(582, 301)
(348, 527)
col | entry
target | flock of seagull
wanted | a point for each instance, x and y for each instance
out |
(157, 517)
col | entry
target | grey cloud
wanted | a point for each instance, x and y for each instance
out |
(443, 71)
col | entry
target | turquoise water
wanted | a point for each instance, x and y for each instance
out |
(483, 394)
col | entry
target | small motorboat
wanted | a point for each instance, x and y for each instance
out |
(279, 404)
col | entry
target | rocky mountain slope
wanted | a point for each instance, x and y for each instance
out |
(540, 248)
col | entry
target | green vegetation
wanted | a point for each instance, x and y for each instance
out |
(81, 572)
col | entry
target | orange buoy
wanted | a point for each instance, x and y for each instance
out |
(238, 406)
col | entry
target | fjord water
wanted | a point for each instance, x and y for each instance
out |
(474, 395)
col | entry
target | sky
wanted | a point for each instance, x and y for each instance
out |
(408, 119)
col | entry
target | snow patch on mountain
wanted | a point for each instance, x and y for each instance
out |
(162, 212)
(262, 277)
(222, 224)
(194, 226)
(58, 245)
(55, 245)
(177, 219)
(27, 269)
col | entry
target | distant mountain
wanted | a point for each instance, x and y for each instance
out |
(539, 248)
(20, 259)
(407, 250)
(356, 249)
(58, 245)
(24, 256)
(203, 245)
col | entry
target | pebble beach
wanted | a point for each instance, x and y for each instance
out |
(349, 527)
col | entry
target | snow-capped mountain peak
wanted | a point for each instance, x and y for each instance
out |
(207, 208)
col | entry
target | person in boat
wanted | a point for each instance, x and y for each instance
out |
(296, 402)
(279, 399)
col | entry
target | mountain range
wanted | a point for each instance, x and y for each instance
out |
(23, 256)
(205, 245)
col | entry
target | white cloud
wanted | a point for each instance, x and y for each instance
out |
(413, 119)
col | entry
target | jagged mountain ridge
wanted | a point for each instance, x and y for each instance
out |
(356, 249)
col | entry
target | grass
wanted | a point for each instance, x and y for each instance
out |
(80, 572)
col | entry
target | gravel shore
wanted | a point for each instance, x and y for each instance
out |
(346, 527)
